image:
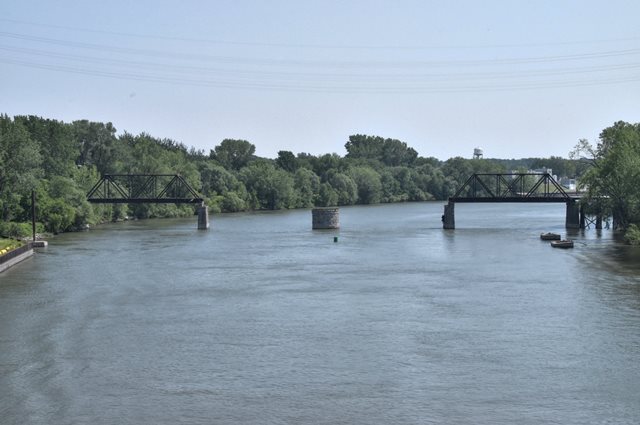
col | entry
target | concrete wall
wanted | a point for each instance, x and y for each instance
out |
(14, 257)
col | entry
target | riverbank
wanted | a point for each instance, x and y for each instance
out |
(13, 251)
(14, 256)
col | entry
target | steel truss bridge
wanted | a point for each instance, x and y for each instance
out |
(143, 188)
(512, 187)
(515, 187)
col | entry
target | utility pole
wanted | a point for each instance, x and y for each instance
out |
(33, 214)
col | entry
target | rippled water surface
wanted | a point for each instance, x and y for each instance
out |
(261, 320)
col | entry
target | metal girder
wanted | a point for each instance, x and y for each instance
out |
(143, 188)
(511, 187)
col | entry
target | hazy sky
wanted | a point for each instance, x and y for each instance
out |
(517, 78)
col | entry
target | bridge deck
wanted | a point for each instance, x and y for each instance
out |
(145, 200)
(520, 199)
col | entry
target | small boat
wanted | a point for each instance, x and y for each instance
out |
(562, 244)
(550, 236)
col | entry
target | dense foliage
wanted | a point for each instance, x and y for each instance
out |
(61, 162)
(612, 181)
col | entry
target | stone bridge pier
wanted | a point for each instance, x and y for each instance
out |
(574, 218)
(449, 218)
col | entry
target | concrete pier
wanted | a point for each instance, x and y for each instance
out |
(325, 218)
(573, 220)
(203, 217)
(449, 218)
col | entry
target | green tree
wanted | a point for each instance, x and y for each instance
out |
(223, 188)
(67, 191)
(363, 146)
(612, 181)
(216, 179)
(307, 186)
(268, 187)
(391, 190)
(327, 196)
(322, 164)
(390, 152)
(345, 187)
(287, 161)
(55, 142)
(395, 152)
(57, 215)
(95, 143)
(20, 167)
(233, 154)
(459, 169)
(368, 185)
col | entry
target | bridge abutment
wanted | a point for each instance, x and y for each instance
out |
(448, 218)
(573, 218)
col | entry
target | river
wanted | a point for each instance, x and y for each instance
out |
(261, 320)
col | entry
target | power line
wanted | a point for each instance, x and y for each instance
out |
(324, 63)
(373, 74)
(374, 89)
(316, 46)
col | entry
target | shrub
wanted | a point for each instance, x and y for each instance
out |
(632, 235)
(10, 229)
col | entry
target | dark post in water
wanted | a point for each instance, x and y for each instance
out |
(203, 217)
(572, 220)
(448, 218)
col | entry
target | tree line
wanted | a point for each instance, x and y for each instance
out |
(61, 162)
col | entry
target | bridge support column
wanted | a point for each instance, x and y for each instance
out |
(583, 217)
(449, 218)
(572, 220)
(615, 220)
(203, 217)
(599, 222)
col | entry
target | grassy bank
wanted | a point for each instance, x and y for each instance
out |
(7, 245)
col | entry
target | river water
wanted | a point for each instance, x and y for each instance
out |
(261, 320)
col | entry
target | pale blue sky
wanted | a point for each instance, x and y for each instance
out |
(517, 78)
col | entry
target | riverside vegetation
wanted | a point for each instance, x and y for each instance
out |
(61, 161)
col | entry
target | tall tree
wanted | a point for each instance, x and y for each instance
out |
(20, 166)
(56, 144)
(233, 154)
(368, 185)
(287, 161)
(363, 146)
(612, 181)
(95, 142)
